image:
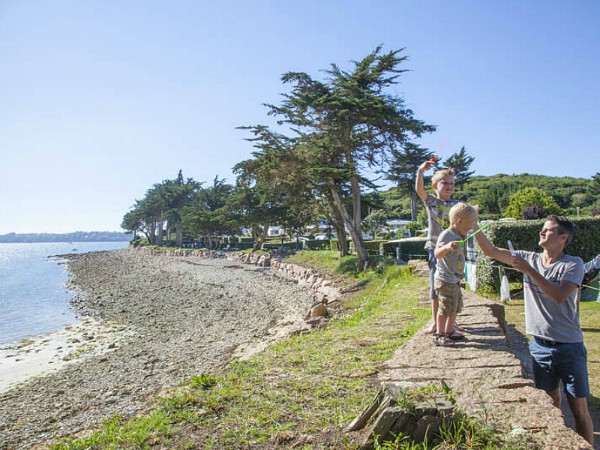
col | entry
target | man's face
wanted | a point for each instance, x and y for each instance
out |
(550, 236)
(445, 187)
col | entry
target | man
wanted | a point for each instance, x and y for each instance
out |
(551, 282)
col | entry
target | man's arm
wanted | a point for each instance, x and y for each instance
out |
(419, 183)
(489, 249)
(559, 292)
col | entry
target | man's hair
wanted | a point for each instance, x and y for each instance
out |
(565, 226)
(462, 210)
(441, 174)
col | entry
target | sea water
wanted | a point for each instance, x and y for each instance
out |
(33, 297)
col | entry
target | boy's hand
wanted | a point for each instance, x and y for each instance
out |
(426, 165)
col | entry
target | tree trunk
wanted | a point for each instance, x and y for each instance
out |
(261, 236)
(413, 207)
(152, 233)
(338, 225)
(359, 244)
(161, 232)
(361, 253)
(179, 235)
(257, 235)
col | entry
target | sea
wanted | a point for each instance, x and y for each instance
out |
(34, 299)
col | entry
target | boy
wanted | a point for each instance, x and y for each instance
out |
(450, 257)
(437, 207)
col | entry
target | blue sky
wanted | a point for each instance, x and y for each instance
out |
(100, 99)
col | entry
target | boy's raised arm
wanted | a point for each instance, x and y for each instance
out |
(419, 183)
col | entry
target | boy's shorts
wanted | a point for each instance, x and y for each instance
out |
(450, 297)
(553, 362)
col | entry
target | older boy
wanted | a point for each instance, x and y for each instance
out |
(437, 206)
(551, 280)
(450, 257)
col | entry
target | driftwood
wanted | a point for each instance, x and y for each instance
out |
(401, 408)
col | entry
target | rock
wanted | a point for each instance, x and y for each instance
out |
(318, 310)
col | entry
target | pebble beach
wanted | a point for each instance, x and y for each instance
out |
(148, 323)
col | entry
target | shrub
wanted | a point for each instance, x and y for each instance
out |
(528, 197)
(525, 236)
(533, 212)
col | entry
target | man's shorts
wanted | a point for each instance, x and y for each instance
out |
(553, 361)
(450, 297)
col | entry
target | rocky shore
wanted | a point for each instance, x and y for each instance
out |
(170, 318)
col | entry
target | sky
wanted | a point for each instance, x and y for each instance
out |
(101, 99)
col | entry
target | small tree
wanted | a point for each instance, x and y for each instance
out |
(461, 163)
(374, 222)
(528, 197)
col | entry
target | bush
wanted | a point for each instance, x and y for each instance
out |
(276, 246)
(533, 212)
(316, 244)
(525, 236)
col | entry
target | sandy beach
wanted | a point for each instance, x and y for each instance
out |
(148, 323)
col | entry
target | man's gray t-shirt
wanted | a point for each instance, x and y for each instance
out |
(450, 268)
(437, 218)
(544, 317)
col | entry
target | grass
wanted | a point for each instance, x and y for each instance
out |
(301, 392)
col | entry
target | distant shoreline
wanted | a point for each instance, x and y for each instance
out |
(77, 236)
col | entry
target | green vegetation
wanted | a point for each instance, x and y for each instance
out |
(492, 193)
(531, 196)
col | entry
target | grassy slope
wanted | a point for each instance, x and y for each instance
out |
(302, 391)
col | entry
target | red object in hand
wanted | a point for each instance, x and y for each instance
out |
(432, 160)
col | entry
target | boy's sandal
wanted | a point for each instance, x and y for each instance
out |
(442, 341)
(457, 336)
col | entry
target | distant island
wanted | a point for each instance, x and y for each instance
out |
(77, 236)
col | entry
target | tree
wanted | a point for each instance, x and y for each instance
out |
(205, 214)
(348, 124)
(460, 162)
(594, 187)
(275, 182)
(528, 197)
(403, 171)
(175, 195)
(374, 222)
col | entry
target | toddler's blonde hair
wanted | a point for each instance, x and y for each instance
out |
(463, 211)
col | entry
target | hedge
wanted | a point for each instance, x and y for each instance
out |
(524, 234)
(316, 244)
(410, 248)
